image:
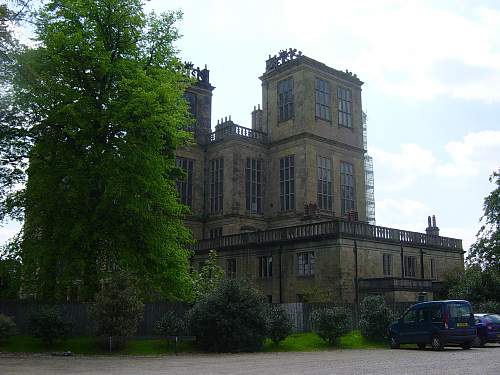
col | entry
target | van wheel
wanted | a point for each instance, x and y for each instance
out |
(421, 345)
(436, 343)
(393, 341)
(467, 345)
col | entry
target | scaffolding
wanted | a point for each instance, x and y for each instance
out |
(369, 179)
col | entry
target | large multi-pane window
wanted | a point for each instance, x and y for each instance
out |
(305, 263)
(287, 183)
(285, 99)
(433, 269)
(387, 264)
(324, 174)
(265, 266)
(348, 202)
(253, 185)
(410, 266)
(344, 107)
(216, 185)
(185, 185)
(231, 268)
(215, 233)
(191, 101)
(322, 96)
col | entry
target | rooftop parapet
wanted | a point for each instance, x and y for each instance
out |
(338, 228)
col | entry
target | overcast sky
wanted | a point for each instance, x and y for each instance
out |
(432, 88)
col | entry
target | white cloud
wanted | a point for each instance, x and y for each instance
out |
(413, 40)
(396, 171)
(476, 153)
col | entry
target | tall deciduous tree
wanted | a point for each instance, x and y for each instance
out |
(103, 96)
(486, 250)
(14, 133)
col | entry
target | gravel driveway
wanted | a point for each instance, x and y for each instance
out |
(376, 361)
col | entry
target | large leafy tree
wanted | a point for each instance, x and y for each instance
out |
(14, 135)
(486, 250)
(102, 93)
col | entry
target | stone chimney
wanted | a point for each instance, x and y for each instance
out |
(432, 228)
(257, 119)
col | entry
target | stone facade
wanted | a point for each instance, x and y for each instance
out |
(311, 118)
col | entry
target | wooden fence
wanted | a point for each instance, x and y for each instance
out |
(78, 315)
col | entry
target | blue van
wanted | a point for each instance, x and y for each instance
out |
(435, 323)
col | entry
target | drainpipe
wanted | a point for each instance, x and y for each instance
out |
(281, 288)
(422, 275)
(402, 263)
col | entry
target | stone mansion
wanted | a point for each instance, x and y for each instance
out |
(284, 202)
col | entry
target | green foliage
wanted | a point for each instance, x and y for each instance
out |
(171, 325)
(375, 318)
(14, 135)
(486, 250)
(102, 98)
(492, 307)
(231, 318)
(331, 323)
(209, 276)
(474, 285)
(279, 324)
(48, 325)
(7, 327)
(118, 308)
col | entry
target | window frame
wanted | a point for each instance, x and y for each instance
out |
(324, 183)
(285, 99)
(322, 100)
(231, 268)
(347, 188)
(287, 183)
(254, 185)
(185, 187)
(387, 264)
(306, 263)
(344, 107)
(266, 266)
(216, 186)
(410, 266)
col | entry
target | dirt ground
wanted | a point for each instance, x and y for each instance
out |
(371, 361)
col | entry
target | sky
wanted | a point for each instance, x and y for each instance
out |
(432, 89)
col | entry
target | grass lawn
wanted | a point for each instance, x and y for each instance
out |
(90, 345)
(309, 342)
(299, 342)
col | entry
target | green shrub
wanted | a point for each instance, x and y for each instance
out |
(117, 310)
(171, 325)
(279, 324)
(7, 327)
(231, 318)
(331, 323)
(492, 307)
(375, 318)
(48, 325)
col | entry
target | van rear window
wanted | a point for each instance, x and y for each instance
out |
(459, 310)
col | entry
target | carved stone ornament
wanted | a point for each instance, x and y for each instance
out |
(281, 58)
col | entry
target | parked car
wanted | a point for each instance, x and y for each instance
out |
(435, 323)
(487, 329)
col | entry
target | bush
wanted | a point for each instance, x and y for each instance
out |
(492, 307)
(279, 324)
(331, 323)
(7, 327)
(48, 325)
(171, 325)
(375, 318)
(231, 318)
(117, 310)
